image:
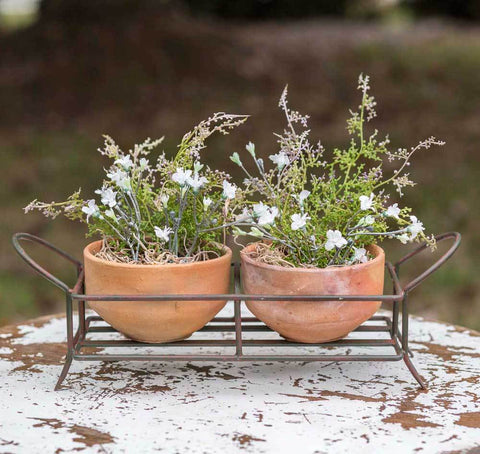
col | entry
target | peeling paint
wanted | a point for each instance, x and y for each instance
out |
(220, 407)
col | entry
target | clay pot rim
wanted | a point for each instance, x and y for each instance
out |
(377, 250)
(87, 254)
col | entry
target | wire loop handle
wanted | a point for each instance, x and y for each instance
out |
(419, 279)
(17, 237)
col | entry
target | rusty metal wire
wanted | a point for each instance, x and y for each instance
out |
(81, 339)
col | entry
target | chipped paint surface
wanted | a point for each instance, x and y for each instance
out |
(239, 407)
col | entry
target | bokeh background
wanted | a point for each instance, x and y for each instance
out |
(72, 70)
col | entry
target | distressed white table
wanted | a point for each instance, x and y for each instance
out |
(239, 407)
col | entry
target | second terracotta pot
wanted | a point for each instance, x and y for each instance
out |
(313, 322)
(156, 321)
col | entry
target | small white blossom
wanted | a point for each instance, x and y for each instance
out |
(120, 178)
(91, 209)
(164, 200)
(197, 166)
(125, 162)
(229, 190)
(207, 201)
(366, 202)
(281, 159)
(244, 216)
(366, 220)
(182, 176)
(143, 164)
(403, 238)
(259, 209)
(416, 227)
(163, 234)
(110, 213)
(250, 147)
(108, 196)
(236, 159)
(299, 221)
(302, 196)
(255, 232)
(359, 255)
(334, 239)
(268, 216)
(196, 182)
(393, 211)
(238, 231)
(125, 184)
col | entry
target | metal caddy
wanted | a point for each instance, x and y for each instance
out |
(80, 339)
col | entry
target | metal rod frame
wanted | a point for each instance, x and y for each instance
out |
(79, 339)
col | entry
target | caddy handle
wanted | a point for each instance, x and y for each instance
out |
(17, 237)
(419, 279)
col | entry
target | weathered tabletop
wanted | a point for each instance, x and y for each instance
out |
(239, 407)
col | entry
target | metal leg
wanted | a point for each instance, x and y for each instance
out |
(238, 313)
(63, 374)
(414, 371)
(70, 342)
(405, 348)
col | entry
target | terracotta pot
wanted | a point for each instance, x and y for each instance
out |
(156, 321)
(313, 322)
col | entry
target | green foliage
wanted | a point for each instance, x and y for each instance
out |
(319, 213)
(173, 211)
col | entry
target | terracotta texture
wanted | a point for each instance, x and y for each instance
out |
(155, 321)
(313, 322)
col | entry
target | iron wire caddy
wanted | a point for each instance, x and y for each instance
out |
(79, 339)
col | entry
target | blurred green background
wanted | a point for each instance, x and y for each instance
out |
(72, 70)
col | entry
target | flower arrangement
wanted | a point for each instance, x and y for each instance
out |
(171, 211)
(315, 212)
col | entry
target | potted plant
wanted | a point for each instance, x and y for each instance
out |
(162, 232)
(318, 223)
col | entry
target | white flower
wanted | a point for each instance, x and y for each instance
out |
(197, 166)
(250, 147)
(366, 202)
(360, 255)
(302, 196)
(268, 216)
(164, 200)
(125, 184)
(207, 201)
(334, 239)
(244, 216)
(238, 231)
(125, 162)
(163, 234)
(299, 221)
(196, 182)
(181, 176)
(281, 159)
(91, 209)
(108, 196)
(393, 211)
(403, 238)
(120, 178)
(229, 190)
(143, 164)
(366, 220)
(255, 232)
(236, 159)
(259, 209)
(416, 227)
(110, 213)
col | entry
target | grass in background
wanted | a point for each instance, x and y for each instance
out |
(161, 79)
